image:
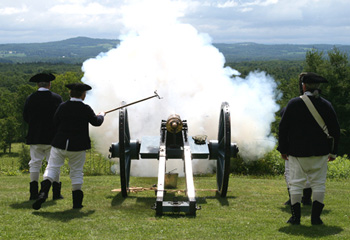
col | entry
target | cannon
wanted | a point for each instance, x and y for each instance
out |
(174, 143)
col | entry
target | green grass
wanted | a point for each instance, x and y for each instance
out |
(253, 209)
(9, 163)
(95, 164)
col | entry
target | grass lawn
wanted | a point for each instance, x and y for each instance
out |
(253, 209)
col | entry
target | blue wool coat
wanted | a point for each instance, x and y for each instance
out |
(38, 112)
(299, 133)
(72, 120)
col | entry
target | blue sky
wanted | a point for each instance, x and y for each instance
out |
(225, 21)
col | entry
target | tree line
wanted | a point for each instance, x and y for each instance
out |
(333, 65)
(15, 88)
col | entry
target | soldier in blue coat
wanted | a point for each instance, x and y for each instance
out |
(39, 110)
(71, 141)
(306, 146)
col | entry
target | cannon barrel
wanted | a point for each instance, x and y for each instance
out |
(174, 123)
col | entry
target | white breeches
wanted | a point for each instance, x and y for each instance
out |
(286, 175)
(76, 162)
(38, 153)
(312, 168)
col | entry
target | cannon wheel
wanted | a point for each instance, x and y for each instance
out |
(224, 150)
(124, 151)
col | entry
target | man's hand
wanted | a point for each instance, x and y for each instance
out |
(102, 114)
(284, 156)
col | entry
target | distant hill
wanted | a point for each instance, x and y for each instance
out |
(72, 50)
(238, 52)
(76, 50)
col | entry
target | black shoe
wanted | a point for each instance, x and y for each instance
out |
(43, 194)
(56, 190)
(306, 199)
(34, 190)
(296, 212)
(78, 196)
(316, 211)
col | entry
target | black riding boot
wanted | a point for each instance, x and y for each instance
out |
(34, 190)
(306, 199)
(43, 194)
(316, 211)
(288, 201)
(296, 212)
(56, 190)
(78, 196)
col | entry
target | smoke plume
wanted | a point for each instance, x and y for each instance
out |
(158, 52)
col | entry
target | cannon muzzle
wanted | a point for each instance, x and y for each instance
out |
(174, 123)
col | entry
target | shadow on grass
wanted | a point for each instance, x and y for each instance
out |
(28, 204)
(176, 215)
(222, 200)
(64, 216)
(305, 210)
(311, 231)
(149, 202)
(119, 199)
(12, 154)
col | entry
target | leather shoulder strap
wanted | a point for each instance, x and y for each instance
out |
(314, 113)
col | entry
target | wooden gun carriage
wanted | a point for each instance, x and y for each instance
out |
(174, 143)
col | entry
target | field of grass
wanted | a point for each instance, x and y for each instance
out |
(11, 163)
(253, 209)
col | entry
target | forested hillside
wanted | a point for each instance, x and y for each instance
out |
(76, 50)
(333, 64)
(239, 52)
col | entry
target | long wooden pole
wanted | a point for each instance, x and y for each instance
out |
(144, 99)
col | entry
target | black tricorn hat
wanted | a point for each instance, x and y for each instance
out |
(310, 77)
(79, 87)
(42, 77)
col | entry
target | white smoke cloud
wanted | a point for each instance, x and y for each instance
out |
(157, 52)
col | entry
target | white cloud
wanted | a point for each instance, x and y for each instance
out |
(223, 20)
(13, 10)
(274, 21)
(72, 1)
(269, 2)
(79, 9)
(228, 4)
(246, 4)
(246, 9)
